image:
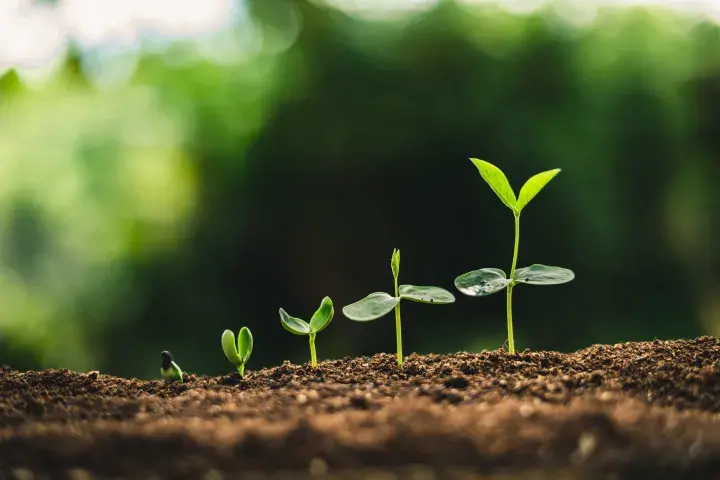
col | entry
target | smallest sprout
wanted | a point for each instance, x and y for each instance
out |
(239, 355)
(169, 369)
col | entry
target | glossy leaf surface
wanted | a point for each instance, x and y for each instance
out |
(371, 307)
(323, 316)
(543, 275)
(426, 294)
(294, 325)
(245, 344)
(480, 283)
(533, 186)
(497, 181)
(229, 348)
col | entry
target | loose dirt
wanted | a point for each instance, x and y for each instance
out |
(633, 410)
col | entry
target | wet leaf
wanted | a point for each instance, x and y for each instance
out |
(294, 325)
(323, 316)
(543, 275)
(479, 283)
(245, 344)
(533, 186)
(497, 181)
(426, 294)
(371, 307)
(229, 348)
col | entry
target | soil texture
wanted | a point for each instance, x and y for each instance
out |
(632, 410)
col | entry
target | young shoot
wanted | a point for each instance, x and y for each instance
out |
(379, 304)
(169, 369)
(240, 354)
(319, 322)
(486, 281)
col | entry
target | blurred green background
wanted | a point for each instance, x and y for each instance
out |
(157, 187)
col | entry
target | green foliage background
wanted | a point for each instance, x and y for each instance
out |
(204, 195)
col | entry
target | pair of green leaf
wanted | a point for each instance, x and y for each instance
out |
(500, 185)
(486, 281)
(319, 322)
(379, 304)
(240, 354)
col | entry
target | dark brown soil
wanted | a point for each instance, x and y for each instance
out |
(635, 410)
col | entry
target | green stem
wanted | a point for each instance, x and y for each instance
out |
(398, 327)
(511, 340)
(511, 337)
(313, 355)
(241, 369)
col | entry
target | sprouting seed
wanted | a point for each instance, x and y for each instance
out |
(319, 322)
(169, 369)
(238, 354)
(486, 281)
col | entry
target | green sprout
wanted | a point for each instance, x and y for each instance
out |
(319, 322)
(169, 369)
(379, 304)
(486, 281)
(239, 355)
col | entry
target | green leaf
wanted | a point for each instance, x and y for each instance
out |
(175, 372)
(533, 186)
(426, 294)
(294, 325)
(245, 344)
(323, 316)
(479, 283)
(395, 262)
(228, 346)
(497, 181)
(543, 275)
(371, 307)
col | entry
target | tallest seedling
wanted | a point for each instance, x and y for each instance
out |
(485, 281)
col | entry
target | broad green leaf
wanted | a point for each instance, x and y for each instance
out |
(426, 294)
(479, 283)
(395, 262)
(543, 275)
(245, 344)
(497, 181)
(371, 307)
(294, 325)
(229, 349)
(533, 186)
(323, 316)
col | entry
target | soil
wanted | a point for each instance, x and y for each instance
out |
(632, 410)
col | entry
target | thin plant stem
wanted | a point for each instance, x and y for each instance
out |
(313, 355)
(398, 327)
(511, 337)
(241, 369)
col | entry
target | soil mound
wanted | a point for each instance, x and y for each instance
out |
(633, 410)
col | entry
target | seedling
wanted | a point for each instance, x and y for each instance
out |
(238, 355)
(319, 322)
(379, 304)
(486, 281)
(169, 369)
